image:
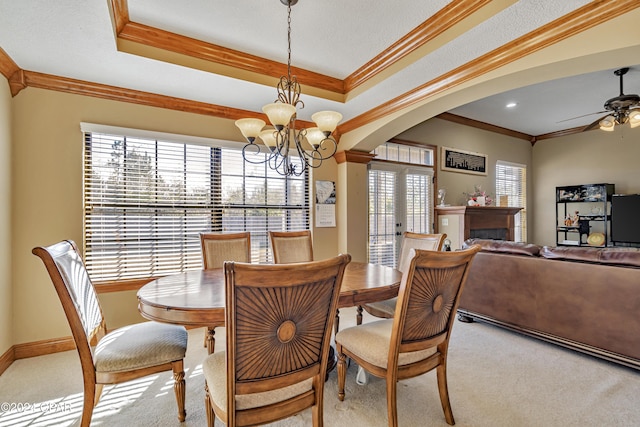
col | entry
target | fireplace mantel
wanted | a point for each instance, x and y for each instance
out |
(476, 221)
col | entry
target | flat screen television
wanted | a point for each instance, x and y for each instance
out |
(625, 219)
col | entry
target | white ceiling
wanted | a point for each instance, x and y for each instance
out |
(75, 39)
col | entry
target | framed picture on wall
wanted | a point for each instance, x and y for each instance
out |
(455, 160)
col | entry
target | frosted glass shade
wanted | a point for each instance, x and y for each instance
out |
(634, 118)
(279, 113)
(608, 123)
(327, 121)
(250, 128)
(315, 136)
(268, 136)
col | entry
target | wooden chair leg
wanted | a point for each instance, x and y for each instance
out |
(179, 387)
(97, 393)
(359, 315)
(443, 389)
(87, 406)
(211, 417)
(316, 410)
(392, 408)
(342, 372)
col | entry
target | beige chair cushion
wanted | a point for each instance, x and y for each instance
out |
(371, 341)
(215, 374)
(387, 306)
(140, 346)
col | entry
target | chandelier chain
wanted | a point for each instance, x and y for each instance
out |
(289, 40)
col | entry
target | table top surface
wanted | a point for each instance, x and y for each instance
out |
(198, 297)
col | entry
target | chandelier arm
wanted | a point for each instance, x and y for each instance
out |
(254, 150)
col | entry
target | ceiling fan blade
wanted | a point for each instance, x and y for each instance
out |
(584, 115)
(593, 125)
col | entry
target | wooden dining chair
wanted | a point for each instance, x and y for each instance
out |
(416, 340)
(291, 246)
(279, 325)
(386, 309)
(121, 355)
(218, 248)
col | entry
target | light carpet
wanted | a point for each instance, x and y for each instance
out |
(496, 378)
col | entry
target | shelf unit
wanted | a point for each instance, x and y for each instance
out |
(583, 210)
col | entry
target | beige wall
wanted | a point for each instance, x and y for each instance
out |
(47, 195)
(586, 158)
(6, 307)
(497, 147)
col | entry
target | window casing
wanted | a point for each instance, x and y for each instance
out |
(511, 190)
(146, 200)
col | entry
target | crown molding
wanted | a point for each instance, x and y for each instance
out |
(484, 126)
(7, 67)
(581, 19)
(151, 42)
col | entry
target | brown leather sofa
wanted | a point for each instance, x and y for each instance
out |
(583, 298)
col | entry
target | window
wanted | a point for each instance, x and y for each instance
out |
(511, 190)
(400, 198)
(146, 200)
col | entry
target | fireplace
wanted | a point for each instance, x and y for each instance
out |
(489, 233)
(481, 222)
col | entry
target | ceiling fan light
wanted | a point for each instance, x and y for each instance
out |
(250, 128)
(634, 118)
(327, 121)
(607, 123)
(279, 113)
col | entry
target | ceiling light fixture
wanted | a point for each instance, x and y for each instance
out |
(624, 108)
(511, 105)
(609, 122)
(291, 151)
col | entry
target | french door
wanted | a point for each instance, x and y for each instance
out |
(400, 199)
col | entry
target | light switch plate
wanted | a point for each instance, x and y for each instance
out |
(445, 222)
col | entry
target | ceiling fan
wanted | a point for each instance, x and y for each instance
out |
(621, 109)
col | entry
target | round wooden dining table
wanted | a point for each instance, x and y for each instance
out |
(197, 298)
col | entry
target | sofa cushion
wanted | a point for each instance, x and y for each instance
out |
(571, 253)
(621, 256)
(504, 246)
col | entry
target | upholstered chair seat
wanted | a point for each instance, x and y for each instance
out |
(140, 346)
(215, 374)
(371, 342)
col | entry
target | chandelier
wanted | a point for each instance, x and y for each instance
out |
(291, 151)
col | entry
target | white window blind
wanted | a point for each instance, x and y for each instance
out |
(419, 204)
(382, 217)
(146, 201)
(511, 190)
